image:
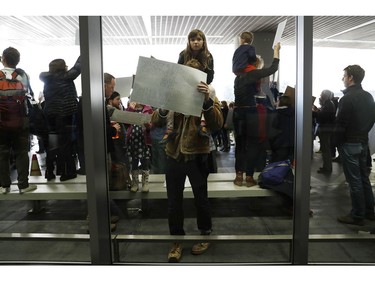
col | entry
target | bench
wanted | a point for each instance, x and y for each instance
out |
(219, 186)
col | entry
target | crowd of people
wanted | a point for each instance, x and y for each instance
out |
(263, 130)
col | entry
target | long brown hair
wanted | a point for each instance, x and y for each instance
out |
(204, 56)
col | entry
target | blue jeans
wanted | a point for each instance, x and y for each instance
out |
(354, 160)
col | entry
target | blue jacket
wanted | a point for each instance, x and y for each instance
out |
(243, 55)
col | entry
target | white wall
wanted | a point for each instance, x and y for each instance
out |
(328, 68)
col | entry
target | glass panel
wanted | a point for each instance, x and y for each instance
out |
(331, 198)
(48, 224)
(258, 214)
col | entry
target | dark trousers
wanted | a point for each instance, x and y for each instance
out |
(250, 151)
(225, 138)
(18, 142)
(197, 172)
(62, 148)
(326, 149)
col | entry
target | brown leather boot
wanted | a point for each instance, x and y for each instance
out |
(239, 179)
(250, 181)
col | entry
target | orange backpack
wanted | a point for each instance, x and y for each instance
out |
(13, 106)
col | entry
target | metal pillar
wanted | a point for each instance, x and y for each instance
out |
(95, 138)
(303, 140)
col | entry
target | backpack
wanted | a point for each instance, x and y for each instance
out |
(275, 173)
(13, 106)
(279, 177)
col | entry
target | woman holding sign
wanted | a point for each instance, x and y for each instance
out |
(197, 48)
(187, 156)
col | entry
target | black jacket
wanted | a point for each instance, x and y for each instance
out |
(325, 117)
(60, 93)
(245, 86)
(355, 116)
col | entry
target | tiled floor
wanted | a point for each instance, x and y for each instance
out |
(231, 216)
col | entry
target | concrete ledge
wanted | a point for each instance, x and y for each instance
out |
(219, 186)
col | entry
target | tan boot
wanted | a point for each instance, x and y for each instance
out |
(135, 181)
(250, 181)
(239, 179)
(145, 174)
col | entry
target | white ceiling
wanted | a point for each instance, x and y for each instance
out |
(328, 31)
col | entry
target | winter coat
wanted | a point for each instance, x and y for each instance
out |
(243, 55)
(245, 84)
(187, 140)
(60, 93)
(355, 116)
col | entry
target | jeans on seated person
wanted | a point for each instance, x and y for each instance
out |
(354, 160)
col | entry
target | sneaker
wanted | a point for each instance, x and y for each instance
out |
(175, 253)
(348, 219)
(134, 188)
(200, 248)
(4, 190)
(28, 189)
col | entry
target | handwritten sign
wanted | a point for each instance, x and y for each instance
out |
(169, 86)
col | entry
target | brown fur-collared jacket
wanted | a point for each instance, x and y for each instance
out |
(187, 140)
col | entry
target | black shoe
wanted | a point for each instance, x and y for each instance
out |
(337, 159)
(68, 177)
(370, 217)
(81, 171)
(40, 151)
(324, 171)
(348, 219)
(49, 176)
